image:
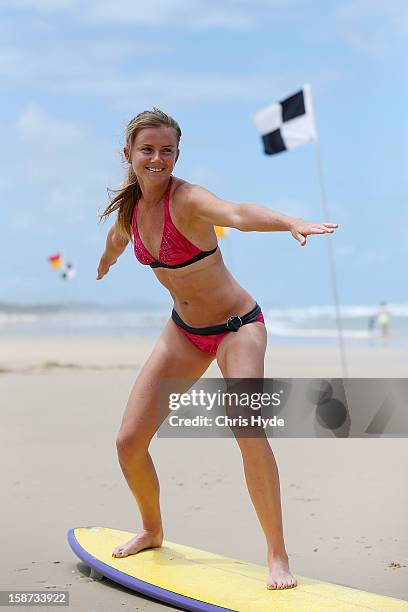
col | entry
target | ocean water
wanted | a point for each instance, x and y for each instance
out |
(313, 324)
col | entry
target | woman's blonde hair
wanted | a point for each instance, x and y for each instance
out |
(127, 195)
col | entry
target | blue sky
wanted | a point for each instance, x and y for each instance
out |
(73, 73)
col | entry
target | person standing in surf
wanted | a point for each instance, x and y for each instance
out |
(171, 224)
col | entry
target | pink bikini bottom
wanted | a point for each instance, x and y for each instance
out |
(208, 339)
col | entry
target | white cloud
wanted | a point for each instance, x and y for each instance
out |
(117, 70)
(393, 13)
(370, 25)
(48, 147)
(52, 62)
(42, 6)
(65, 168)
(148, 88)
(99, 70)
(36, 127)
(195, 14)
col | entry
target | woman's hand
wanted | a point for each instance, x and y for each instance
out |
(103, 267)
(300, 228)
(115, 245)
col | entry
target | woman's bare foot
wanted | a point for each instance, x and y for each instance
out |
(144, 539)
(280, 576)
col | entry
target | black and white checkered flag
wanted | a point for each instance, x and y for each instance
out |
(287, 124)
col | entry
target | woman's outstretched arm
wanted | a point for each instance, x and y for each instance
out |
(250, 217)
(115, 245)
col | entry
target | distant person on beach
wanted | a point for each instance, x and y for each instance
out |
(383, 321)
(171, 224)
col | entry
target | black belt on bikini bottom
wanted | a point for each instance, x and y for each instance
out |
(233, 323)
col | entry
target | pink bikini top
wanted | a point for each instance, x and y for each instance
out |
(175, 250)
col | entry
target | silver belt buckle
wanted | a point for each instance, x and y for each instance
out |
(234, 322)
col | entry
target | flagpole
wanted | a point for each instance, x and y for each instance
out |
(331, 263)
(280, 129)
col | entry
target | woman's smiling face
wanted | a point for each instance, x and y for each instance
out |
(154, 152)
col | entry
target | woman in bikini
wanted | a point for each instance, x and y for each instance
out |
(171, 223)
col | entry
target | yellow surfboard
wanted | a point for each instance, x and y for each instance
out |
(194, 579)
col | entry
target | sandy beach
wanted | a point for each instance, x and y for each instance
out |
(345, 501)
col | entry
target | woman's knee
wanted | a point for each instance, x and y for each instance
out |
(131, 443)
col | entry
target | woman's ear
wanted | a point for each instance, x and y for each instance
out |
(177, 156)
(126, 154)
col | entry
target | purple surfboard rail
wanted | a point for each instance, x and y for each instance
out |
(145, 588)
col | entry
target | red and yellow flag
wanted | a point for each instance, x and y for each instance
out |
(56, 261)
(221, 232)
